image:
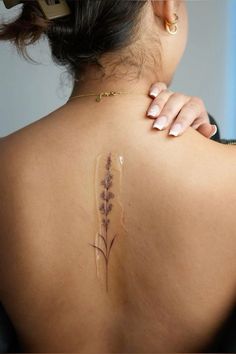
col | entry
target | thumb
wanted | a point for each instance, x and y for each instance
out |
(207, 130)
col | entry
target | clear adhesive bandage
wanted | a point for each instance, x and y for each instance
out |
(109, 210)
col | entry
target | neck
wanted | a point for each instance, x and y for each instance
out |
(94, 82)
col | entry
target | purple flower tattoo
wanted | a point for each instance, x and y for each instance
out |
(105, 209)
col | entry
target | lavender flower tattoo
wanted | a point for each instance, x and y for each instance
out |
(105, 209)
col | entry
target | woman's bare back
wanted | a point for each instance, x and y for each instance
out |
(172, 265)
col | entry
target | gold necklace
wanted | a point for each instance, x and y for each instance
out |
(101, 94)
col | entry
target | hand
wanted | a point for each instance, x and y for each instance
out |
(178, 111)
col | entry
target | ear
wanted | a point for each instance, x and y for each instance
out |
(166, 9)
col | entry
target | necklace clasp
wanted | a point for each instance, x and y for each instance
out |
(106, 94)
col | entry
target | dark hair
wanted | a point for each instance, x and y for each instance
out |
(95, 27)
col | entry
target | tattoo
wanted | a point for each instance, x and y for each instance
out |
(105, 209)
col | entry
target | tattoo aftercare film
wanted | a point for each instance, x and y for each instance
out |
(110, 213)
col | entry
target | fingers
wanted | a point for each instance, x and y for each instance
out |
(204, 127)
(156, 89)
(170, 110)
(207, 130)
(192, 112)
(158, 103)
(180, 111)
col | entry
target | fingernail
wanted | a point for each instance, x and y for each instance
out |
(153, 111)
(160, 123)
(176, 129)
(154, 92)
(214, 131)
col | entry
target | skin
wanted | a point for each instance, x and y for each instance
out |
(172, 269)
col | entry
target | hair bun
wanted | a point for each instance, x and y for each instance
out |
(94, 27)
(27, 27)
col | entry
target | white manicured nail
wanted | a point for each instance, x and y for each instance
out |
(154, 92)
(176, 129)
(160, 123)
(153, 111)
(214, 131)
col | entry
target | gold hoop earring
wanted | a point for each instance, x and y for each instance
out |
(172, 27)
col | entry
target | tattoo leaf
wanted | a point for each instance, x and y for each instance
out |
(105, 242)
(111, 244)
(98, 248)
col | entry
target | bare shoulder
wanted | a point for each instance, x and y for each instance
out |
(22, 147)
(190, 181)
(192, 161)
(20, 153)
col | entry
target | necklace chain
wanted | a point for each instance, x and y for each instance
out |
(100, 95)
